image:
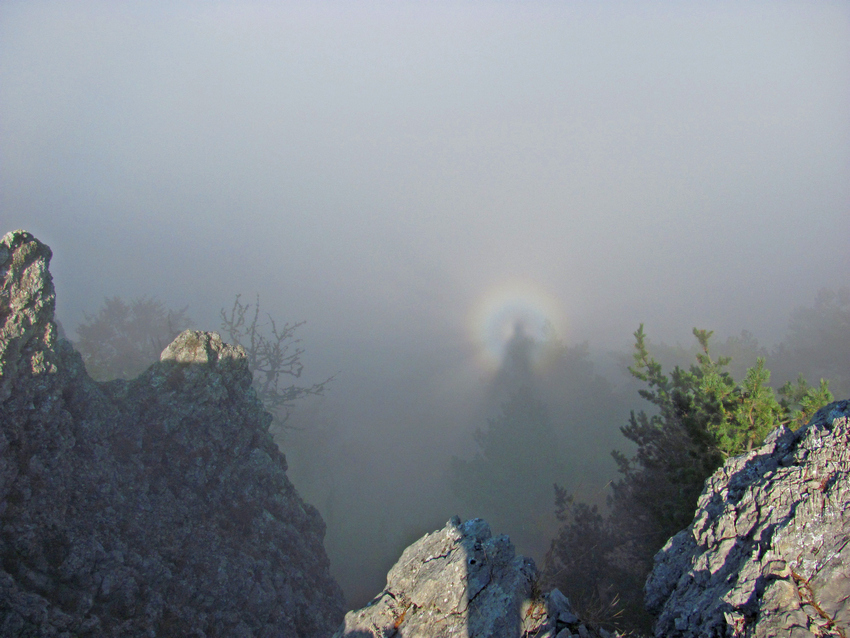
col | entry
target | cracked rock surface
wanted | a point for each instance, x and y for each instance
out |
(153, 507)
(768, 553)
(462, 581)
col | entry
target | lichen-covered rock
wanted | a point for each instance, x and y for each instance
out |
(153, 507)
(461, 581)
(27, 301)
(768, 553)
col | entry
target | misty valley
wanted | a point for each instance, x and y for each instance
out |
(395, 319)
(587, 475)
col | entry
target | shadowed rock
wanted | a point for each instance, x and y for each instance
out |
(153, 507)
(768, 553)
(461, 581)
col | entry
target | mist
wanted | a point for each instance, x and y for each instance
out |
(413, 180)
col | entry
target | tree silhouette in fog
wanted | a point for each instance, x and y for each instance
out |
(122, 339)
(553, 412)
(509, 481)
(274, 354)
(818, 342)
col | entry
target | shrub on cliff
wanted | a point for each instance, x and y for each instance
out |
(702, 416)
(123, 339)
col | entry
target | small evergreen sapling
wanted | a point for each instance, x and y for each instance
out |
(702, 416)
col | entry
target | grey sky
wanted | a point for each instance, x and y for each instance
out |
(410, 177)
(378, 168)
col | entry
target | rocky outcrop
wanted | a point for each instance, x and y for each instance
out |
(462, 581)
(153, 507)
(768, 553)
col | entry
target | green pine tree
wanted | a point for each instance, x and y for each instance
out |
(701, 416)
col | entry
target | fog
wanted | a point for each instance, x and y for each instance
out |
(412, 179)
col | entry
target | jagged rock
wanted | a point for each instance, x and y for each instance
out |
(462, 581)
(768, 553)
(153, 507)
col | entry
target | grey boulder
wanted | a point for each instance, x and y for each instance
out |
(461, 581)
(768, 553)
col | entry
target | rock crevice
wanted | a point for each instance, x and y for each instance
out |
(767, 553)
(463, 581)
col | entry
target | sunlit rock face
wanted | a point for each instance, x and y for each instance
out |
(153, 507)
(768, 553)
(462, 581)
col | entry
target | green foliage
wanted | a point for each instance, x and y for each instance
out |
(720, 417)
(800, 401)
(700, 416)
(123, 339)
(675, 447)
(703, 416)
(753, 414)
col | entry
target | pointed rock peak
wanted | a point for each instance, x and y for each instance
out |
(195, 346)
(158, 506)
(463, 581)
(27, 303)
